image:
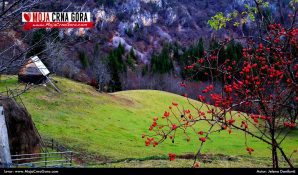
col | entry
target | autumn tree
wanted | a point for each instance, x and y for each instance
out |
(259, 92)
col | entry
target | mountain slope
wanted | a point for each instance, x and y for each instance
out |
(109, 126)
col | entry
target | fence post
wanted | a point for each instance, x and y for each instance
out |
(45, 162)
(71, 159)
(52, 144)
(5, 157)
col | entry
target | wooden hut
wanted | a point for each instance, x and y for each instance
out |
(34, 71)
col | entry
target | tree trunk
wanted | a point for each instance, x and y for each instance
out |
(274, 155)
(274, 144)
(101, 87)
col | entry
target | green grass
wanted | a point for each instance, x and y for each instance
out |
(109, 126)
(241, 161)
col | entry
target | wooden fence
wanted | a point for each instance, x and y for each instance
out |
(59, 157)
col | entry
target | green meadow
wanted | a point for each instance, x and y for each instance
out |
(105, 129)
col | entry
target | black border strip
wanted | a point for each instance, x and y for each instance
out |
(145, 171)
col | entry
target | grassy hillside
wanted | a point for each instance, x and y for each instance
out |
(109, 126)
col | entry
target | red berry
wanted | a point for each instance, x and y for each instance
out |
(224, 127)
(250, 150)
(231, 121)
(174, 126)
(230, 131)
(203, 139)
(201, 132)
(182, 84)
(261, 46)
(197, 165)
(175, 104)
(172, 156)
(166, 114)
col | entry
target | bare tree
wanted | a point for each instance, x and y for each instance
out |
(55, 55)
(102, 74)
(100, 70)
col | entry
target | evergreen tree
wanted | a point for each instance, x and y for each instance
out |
(116, 66)
(131, 59)
(84, 59)
(37, 43)
(190, 56)
(200, 48)
(234, 51)
(162, 63)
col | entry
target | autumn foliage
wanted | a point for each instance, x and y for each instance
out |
(258, 96)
